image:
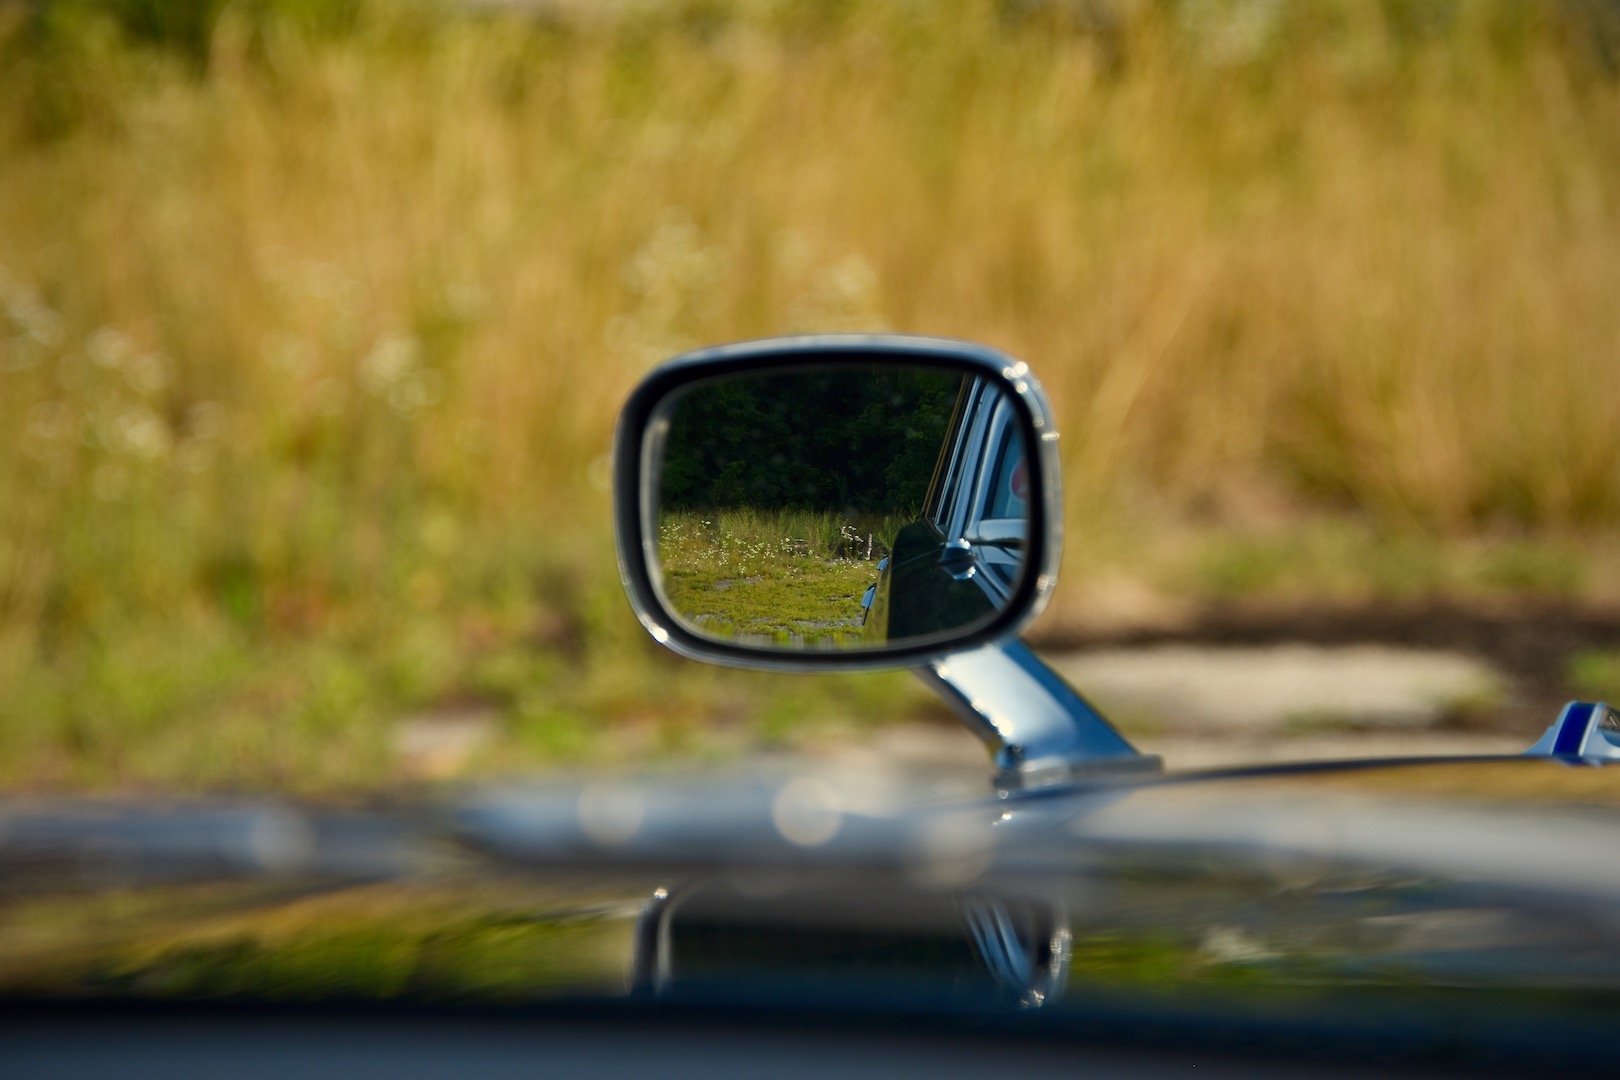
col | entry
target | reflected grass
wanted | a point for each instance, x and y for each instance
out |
(496, 942)
(795, 579)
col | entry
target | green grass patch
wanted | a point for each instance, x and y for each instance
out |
(433, 942)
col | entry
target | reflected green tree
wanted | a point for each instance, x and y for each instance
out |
(845, 440)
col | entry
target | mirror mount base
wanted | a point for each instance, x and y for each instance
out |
(1039, 729)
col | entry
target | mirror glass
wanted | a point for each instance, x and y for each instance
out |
(845, 507)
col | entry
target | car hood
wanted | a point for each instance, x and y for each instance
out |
(1255, 891)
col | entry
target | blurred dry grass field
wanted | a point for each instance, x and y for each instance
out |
(314, 321)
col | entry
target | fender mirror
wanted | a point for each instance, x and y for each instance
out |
(836, 501)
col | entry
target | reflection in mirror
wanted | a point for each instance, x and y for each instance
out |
(843, 507)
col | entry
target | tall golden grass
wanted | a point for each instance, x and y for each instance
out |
(316, 332)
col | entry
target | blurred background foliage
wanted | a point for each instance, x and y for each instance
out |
(314, 319)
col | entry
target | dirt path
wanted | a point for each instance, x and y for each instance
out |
(1257, 685)
(1529, 645)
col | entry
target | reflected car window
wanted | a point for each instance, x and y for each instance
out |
(1009, 485)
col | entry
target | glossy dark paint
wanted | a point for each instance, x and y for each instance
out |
(1433, 911)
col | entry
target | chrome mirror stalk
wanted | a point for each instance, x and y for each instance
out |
(1039, 729)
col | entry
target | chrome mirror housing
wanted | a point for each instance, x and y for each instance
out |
(836, 501)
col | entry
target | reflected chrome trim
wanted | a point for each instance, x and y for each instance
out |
(650, 961)
(1028, 957)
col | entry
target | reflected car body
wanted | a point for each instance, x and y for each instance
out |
(1363, 917)
(959, 562)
